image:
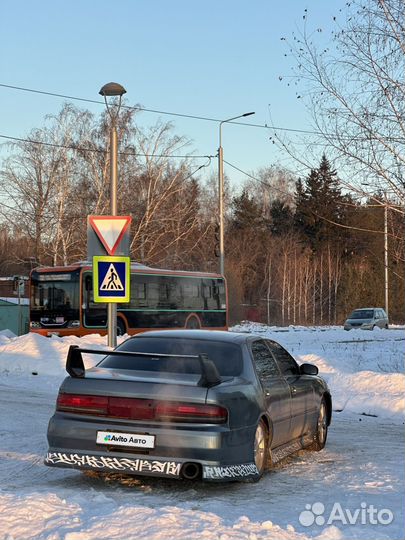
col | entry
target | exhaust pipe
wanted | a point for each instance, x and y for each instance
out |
(191, 471)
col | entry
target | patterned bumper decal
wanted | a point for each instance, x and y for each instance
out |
(233, 471)
(166, 468)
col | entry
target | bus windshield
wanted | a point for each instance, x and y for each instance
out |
(55, 297)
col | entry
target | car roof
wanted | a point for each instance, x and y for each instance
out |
(208, 335)
(367, 308)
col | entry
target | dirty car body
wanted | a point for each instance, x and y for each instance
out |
(188, 404)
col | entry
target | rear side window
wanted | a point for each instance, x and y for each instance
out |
(286, 363)
(227, 357)
(264, 362)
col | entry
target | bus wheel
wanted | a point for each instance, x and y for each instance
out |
(193, 323)
(121, 330)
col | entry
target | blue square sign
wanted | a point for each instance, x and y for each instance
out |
(111, 279)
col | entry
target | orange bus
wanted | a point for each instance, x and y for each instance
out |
(62, 301)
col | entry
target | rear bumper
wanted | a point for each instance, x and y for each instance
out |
(221, 453)
(163, 467)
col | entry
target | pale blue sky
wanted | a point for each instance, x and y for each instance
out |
(213, 58)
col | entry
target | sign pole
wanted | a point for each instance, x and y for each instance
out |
(112, 308)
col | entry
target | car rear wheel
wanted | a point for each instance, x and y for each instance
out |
(121, 330)
(261, 446)
(321, 433)
(193, 323)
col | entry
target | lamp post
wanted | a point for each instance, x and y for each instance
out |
(221, 192)
(385, 248)
(386, 251)
(107, 91)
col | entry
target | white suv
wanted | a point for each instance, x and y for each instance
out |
(367, 319)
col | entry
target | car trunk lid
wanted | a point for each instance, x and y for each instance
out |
(142, 384)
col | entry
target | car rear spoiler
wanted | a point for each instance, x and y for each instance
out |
(75, 365)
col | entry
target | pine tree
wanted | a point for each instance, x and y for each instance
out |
(281, 218)
(247, 213)
(320, 204)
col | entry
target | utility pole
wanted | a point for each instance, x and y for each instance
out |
(386, 286)
(386, 251)
(221, 193)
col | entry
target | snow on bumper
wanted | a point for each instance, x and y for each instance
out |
(232, 471)
(150, 467)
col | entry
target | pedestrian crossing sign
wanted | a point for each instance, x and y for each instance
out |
(111, 279)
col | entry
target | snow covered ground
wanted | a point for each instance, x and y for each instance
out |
(359, 476)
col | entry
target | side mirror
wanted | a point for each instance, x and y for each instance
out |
(308, 369)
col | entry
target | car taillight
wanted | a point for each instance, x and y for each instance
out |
(184, 412)
(141, 409)
(82, 404)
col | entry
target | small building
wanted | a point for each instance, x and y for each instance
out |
(14, 316)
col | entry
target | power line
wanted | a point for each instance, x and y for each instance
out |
(329, 136)
(100, 151)
(156, 111)
(286, 193)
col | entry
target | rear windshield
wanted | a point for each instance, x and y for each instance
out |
(226, 356)
(362, 314)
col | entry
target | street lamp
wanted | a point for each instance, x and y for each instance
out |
(385, 248)
(221, 192)
(113, 90)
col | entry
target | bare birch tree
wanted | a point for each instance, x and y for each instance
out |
(353, 87)
(38, 182)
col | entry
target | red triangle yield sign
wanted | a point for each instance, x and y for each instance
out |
(110, 230)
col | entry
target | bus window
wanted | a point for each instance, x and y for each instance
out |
(95, 313)
(138, 293)
(190, 289)
(206, 289)
(152, 295)
(191, 294)
(175, 292)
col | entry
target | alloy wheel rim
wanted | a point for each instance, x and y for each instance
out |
(322, 424)
(260, 447)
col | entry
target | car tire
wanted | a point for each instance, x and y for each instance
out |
(321, 433)
(121, 329)
(193, 323)
(261, 447)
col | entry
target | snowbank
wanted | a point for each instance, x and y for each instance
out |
(364, 369)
